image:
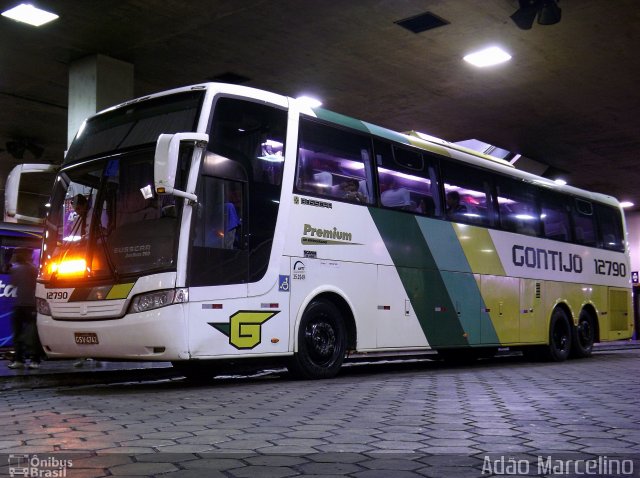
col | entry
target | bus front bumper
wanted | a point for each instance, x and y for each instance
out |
(157, 335)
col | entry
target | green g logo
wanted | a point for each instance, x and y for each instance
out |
(245, 328)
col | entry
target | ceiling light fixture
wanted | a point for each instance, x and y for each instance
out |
(560, 181)
(487, 57)
(27, 13)
(309, 101)
(626, 204)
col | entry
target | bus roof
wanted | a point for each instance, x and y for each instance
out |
(461, 153)
(413, 138)
(427, 139)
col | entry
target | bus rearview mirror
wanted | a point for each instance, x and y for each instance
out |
(166, 161)
(12, 192)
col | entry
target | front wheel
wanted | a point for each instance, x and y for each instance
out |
(322, 342)
(559, 337)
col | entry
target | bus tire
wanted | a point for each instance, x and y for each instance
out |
(322, 342)
(559, 337)
(584, 336)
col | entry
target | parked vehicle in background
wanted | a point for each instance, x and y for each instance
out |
(13, 236)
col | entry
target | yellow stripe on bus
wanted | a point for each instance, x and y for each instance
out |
(479, 249)
(120, 291)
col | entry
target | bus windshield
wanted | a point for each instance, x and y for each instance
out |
(136, 124)
(106, 221)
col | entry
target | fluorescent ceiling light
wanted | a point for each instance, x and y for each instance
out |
(487, 57)
(626, 204)
(27, 13)
(309, 101)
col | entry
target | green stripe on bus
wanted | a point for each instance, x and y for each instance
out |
(420, 277)
(340, 119)
(386, 133)
(444, 244)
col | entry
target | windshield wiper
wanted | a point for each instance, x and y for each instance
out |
(102, 237)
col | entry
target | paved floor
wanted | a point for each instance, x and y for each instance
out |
(65, 370)
(502, 416)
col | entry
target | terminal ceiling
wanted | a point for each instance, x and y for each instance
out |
(569, 98)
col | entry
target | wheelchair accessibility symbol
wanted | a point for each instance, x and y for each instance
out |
(283, 284)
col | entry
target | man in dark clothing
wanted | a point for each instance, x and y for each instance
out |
(23, 276)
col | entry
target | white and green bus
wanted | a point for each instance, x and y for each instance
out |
(219, 224)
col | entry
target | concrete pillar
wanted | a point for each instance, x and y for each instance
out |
(95, 83)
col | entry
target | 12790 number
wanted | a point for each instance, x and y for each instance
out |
(610, 268)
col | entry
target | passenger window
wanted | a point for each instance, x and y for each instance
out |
(334, 163)
(554, 213)
(584, 225)
(517, 207)
(409, 159)
(610, 227)
(219, 253)
(468, 194)
(246, 146)
(406, 178)
(219, 214)
(253, 135)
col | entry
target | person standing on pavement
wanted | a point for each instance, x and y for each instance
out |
(23, 275)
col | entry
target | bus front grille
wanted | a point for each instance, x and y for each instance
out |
(103, 309)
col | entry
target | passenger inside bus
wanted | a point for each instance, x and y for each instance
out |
(350, 190)
(396, 196)
(78, 216)
(455, 210)
(427, 206)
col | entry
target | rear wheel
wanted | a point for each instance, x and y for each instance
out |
(559, 337)
(584, 336)
(322, 342)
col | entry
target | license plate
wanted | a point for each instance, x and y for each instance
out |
(86, 338)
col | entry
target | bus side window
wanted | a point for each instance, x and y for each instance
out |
(555, 216)
(333, 163)
(609, 227)
(584, 223)
(517, 206)
(406, 178)
(219, 253)
(467, 194)
(219, 219)
(251, 134)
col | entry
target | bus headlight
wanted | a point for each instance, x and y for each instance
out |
(157, 299)
(42, 306)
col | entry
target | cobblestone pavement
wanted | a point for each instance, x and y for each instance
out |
(503, 416)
